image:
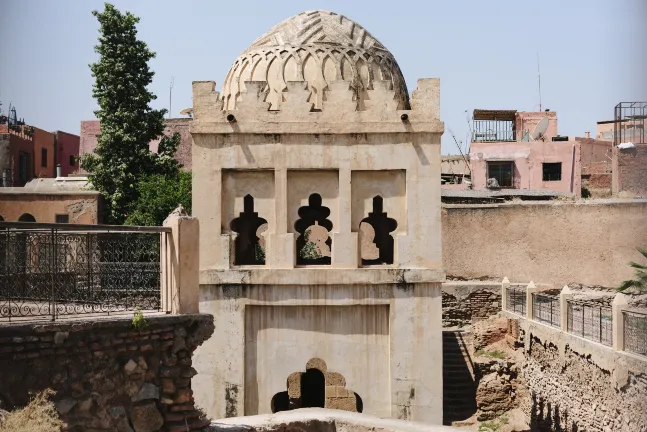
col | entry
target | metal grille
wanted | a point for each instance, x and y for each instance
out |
(546, 309)
(590, 321)
(52, 270)
(516, 300)
(629, 122)
(635, 331)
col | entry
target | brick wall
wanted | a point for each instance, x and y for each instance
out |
(631, 170)
(91, 128)
(107, 376)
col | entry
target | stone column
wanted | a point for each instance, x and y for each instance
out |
(505, 284)
(344, 242)
(180, 263)
(564, 297)
(530, 290)
(281, 243)
(619, 303)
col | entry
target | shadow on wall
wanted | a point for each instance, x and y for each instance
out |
(459, 385)
(545, 417)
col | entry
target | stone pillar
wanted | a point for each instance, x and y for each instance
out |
(505, 284)
(564, 297)
(619, 304)
(530, 290)
(281, 243)
(180, 260)
(344, 242)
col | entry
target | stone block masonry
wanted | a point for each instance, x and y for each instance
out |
(107, 375)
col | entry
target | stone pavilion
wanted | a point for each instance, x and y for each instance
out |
(316, 183)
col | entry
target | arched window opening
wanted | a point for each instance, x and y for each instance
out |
(26, 217)
(376, 241)
(314, 242)
(250, 242)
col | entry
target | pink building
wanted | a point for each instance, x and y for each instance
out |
(522, 150)
(90, 129)
(67, 152)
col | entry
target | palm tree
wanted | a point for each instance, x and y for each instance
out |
(640, 281)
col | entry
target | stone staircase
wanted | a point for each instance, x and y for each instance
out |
(459, 387)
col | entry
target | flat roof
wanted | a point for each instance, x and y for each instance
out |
(503, 115)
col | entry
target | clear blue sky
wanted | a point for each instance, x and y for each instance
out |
(484, 52)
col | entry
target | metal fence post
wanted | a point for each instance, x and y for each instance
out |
(52, 270)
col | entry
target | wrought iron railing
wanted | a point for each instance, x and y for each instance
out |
(590, 321)
(546, 309)
(635, 332)
(54, 270)
(516, 300)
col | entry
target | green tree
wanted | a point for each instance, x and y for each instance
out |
(159, 195)
(640, 281)
(128, 123)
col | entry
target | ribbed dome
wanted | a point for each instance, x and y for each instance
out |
(319, 47)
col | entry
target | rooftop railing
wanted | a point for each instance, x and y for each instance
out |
(49, 271)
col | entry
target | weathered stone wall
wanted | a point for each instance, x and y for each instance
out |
(577, 385)
(590, 243)
(107, 376)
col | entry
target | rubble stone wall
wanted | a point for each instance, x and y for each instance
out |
(107, 375)
(465, 303)
(578, 385)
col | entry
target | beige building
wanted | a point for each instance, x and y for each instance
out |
(316, 186)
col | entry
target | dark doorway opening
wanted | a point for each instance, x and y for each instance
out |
(313, 389)
(280, 402)
(26, 217)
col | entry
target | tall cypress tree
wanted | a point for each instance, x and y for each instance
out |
(128, 123)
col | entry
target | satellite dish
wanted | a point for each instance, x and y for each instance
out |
(187, 111)
(540, 129)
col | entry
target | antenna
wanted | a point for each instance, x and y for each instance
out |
(539, 81)
(170, 97)
(460, 150)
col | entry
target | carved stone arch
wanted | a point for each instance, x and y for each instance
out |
(376, 241)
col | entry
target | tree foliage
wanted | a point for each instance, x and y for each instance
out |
(640, 281)
(128, 123)
(159, 195)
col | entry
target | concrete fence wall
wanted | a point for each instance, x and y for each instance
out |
(589, 243)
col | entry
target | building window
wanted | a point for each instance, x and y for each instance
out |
(43, 158)
(62, 218)
(24, 164)
(502, 172)
(552, 171)
(72, 160)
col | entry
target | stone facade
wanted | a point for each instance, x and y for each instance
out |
(107, 375)
(315, 182)
(466, 303)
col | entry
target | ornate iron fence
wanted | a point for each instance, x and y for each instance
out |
(635, 332)
(546, 309)
(516, 300)
(52, 270)
(590, 321)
